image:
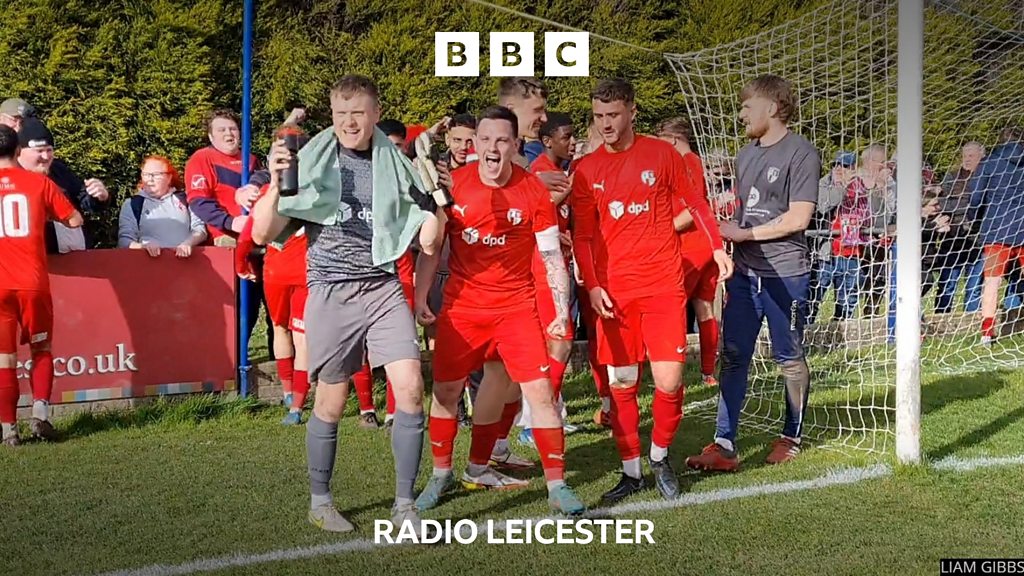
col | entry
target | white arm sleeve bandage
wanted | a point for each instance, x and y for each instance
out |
(547, 240)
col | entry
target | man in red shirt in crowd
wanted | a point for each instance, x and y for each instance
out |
(27, 201)
(213, 184)
(628, 251)
(700, 272)
(499, 217)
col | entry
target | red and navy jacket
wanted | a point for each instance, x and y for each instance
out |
(211, 179)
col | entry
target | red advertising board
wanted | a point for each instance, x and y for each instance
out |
(129, 325)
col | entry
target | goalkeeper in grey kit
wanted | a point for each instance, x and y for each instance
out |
(777, 187)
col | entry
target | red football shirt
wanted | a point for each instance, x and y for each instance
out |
(286, 266)
(624, 240)
(544, 164)
(27, 201)
(693, 241)
(490, 233)
(211, 179)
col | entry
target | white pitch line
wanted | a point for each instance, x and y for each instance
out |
(957, 464)
(839, 477)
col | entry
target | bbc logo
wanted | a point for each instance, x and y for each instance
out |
(511, 54)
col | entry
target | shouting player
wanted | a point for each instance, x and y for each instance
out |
(777, 186)
(628, 252)
(499, 217)
(700, 273)
(27, 201)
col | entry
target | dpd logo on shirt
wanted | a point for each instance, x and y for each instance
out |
(754, 197)
(471, 235)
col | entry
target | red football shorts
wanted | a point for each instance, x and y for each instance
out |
(29, 310)
(287, 305)
(546, 306)
(700, 277)
(652, 326)
(997, 256)
(465, 340)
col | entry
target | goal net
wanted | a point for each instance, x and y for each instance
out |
(842, 61)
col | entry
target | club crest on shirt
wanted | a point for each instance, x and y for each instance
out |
(470, 235)
(515, 216)
(754, 197)
(773, 174)
(647, 177)
(563, 210)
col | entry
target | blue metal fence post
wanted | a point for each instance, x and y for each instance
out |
(245, 287)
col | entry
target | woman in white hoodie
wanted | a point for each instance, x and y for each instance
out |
(158, 215)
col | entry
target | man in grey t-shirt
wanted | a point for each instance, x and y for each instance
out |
(777, 186)
(355, 310)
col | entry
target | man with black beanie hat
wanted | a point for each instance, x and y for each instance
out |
(89, 197)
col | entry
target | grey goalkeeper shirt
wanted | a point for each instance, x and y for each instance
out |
(768, 179)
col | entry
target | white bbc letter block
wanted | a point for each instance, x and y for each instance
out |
(456, 53)
(566, 54)
(511, 53)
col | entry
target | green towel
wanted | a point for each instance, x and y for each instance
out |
(396, 217)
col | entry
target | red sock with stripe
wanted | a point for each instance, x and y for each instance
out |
(551, 447)
(286, 373)
(41, 375)
(300, 389)
(708, 345)
(363, 383)
(668, 411)
(442, 441)
(625, 417)
(8, 395)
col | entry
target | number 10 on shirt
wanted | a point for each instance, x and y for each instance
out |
(14, 216)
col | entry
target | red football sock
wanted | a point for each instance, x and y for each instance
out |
(600, 374)
(708, 345)
(286, 373)
(41, 375)
(8, 395)
(988, 327)
(484, 437)
(557, 376)
(625, 422)
(391, 399)
(551, 447)
(668, 411)
(300, 389)
(442, 440)
(508, 418)
(363, 383)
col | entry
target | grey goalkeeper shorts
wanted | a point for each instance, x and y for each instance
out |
(350, 322)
